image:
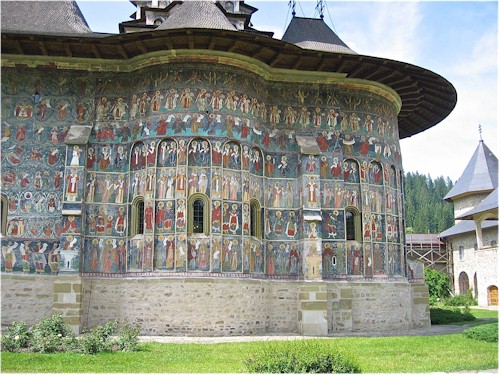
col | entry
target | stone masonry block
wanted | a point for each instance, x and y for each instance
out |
(321, 296)
(346, 293)
(313, 305)
(345, 304)
(62, 288)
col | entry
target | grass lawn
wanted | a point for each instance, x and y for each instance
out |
(374, 355)
(483, 313)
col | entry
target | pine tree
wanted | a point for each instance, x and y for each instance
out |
(425, 209)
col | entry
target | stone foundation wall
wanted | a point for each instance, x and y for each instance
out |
(174, 306)
(217, 307)
(26, 298)
(30, 298)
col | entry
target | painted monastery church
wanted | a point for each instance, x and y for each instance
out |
(195, 175)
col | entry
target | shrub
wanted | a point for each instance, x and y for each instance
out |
(128, 338)
(307, 356)
(51, 335)
(16, 337)
(483, 332)
(446, 315)
(439, 285)
(98, 339)
(461, 300)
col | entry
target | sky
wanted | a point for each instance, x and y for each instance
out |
(455, 39)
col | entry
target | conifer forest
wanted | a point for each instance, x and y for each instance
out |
(425, 209)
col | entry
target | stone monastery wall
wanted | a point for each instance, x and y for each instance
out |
(216, 307)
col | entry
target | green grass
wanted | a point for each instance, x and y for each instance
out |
(484, 314)
(416, 354)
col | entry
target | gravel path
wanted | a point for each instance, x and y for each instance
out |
(431, 331)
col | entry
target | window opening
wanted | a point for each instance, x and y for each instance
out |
(137, 217)
(3, 215)
(198, 216)
(350, 227)
(255, 219)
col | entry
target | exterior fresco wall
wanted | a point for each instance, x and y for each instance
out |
(170, 132)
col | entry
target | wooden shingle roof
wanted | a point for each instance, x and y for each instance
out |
(427, 98)
(314, 33)
(197, 14)
(480, 175)
(44, 17)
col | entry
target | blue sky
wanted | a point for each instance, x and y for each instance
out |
(456, 39)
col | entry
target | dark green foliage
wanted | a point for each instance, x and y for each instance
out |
(52, 335)
(484, 332)
(439, 285)
(128, 338)
(98, 339)
(425, 209)
(461, 300)
(16, 337)
(304, 356)
(450, 315)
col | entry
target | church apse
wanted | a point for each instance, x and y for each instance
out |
(197, 170)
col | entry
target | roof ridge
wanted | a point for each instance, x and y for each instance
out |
(187, 16)
(480, 174)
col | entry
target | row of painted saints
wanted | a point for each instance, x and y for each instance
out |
(179, 254)
(345, 132)
(230, 155)
(229, 101)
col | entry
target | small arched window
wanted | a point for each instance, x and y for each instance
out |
(198, 214)
(352, 224)
(255, 219)
(198, 210)
(461, 252)
(3, 214)
(137, 217)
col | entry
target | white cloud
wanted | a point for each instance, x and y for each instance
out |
(382, 29)
(482, 59)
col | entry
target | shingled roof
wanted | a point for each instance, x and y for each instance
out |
(480, 175)
(44, 17)
(427, 98)
(487, 205)
(467, 226)
(314, 33)
(197, 14)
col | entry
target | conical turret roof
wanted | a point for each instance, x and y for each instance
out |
(314, 33)
(480, 175)
(44, 17)
(197, 14)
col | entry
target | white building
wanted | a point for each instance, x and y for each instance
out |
(472, 241)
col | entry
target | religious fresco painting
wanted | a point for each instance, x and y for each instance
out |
(223, 134)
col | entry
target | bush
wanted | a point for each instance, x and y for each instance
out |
(439, 285)
(128, 338)
(484, 332)
(98, 339)
(307, 356)
(448, 315)
(52, 335)
(16, 337)
(461, 300)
